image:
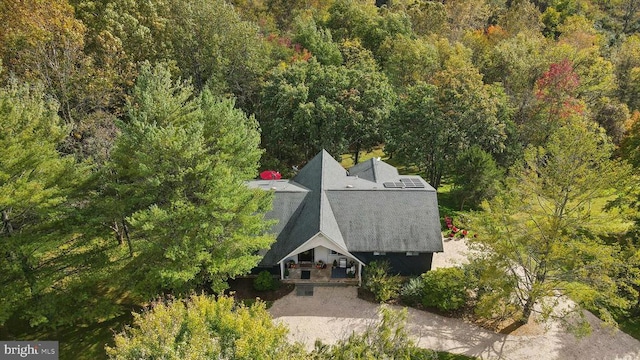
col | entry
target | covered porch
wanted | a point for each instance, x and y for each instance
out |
(321, 260)
(314, 275)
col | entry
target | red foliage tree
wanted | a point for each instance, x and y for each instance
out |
(556, 90)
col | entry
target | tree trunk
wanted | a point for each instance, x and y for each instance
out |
(6, 223)
(527, 310)
(126, 233)
(464, 200)
(530, 302)
(118, 234)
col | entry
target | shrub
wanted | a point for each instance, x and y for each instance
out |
(444, 289)
(388, 338)
(377, 280)
(411, 292)
(265, 282)
(475, 175)
(204, 327)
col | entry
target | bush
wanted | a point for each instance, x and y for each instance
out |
(265, 282)
(204, 327)
(411, 292)
(475, 175)
(377, 280)
(388, 338)
(444, 289)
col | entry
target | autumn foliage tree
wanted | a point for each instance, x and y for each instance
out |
(555, 93)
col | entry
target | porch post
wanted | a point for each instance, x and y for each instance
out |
(281, 270)
(359, 274)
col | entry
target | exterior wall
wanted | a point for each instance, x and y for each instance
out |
(321, 253)
(400, 262)
(336, 257)
(324, 254)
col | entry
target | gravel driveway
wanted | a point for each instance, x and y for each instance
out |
(334, 312)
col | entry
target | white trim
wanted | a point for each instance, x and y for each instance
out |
(297, 250)
(340, 248)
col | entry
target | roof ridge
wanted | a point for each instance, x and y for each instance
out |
(374, 166)
(321, 192)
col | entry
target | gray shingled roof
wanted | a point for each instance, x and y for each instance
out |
(353, 209)
(389, 221)
(373, 170)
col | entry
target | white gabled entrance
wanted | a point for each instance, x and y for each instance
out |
(322, 248)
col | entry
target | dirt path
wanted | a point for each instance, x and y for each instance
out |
(334, 312)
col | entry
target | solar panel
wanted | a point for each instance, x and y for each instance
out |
(412, 183)
(404, 183)
(394, 185)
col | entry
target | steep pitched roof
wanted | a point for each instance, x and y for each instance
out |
(394, 221)
(374, 170)
(354, 209)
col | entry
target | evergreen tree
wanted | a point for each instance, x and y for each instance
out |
(189, 218)
(43, 257)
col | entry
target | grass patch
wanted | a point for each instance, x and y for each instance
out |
(347, 161)
(631, 326)
(446, 201)
(76, 341)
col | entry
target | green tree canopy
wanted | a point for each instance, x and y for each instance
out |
(44, 257)
(544, 231)
(476, 177)
(408, 61)
(306, 107)
(627, 62)
(432, 124)
(318, 41)
(181, 198)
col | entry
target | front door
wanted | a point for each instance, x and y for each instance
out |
(306, 256)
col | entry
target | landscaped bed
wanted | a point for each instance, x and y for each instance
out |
(242, 289)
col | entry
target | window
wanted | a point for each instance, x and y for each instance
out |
(335, 253)
(412, 253)
(377, 253)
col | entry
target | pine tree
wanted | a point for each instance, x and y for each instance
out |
(176, 186)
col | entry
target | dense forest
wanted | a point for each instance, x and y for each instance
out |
(128, 129)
